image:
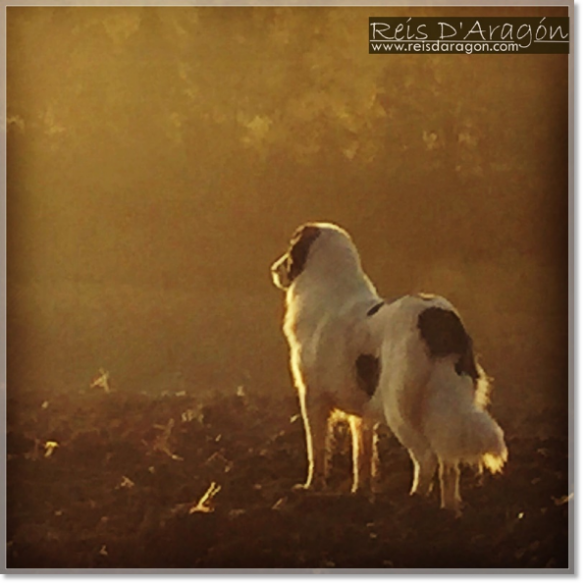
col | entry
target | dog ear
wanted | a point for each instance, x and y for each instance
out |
(300, 246)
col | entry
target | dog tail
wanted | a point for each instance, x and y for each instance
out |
(455, 420)
(457, 427)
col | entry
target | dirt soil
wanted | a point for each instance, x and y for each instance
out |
(106, 480)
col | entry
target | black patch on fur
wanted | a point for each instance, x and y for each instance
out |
(376, 308)
(445, 335)
(300, 246)
(368, 373)
(373, 310)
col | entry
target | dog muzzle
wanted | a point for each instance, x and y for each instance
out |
(279, 272)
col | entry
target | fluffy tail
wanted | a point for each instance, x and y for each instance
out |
(456, 425)
(455, 420)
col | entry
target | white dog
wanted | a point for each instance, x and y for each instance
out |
(408, 363)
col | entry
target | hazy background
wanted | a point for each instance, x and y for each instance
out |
(160, 158)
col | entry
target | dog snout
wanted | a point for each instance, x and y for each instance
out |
(279, 273)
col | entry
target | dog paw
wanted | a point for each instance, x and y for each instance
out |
(316, 485)
(455, 510)
(301, 488)
(421, 499)
(361, 491)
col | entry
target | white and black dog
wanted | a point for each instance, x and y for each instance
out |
(409, 363)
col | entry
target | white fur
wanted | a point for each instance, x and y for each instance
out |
(438, 415)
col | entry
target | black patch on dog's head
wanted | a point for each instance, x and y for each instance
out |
(368, 373)
(300, 246)
(445, 335)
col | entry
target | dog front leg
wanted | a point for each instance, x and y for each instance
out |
(316, 420)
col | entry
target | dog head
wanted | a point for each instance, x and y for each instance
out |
(292, 263)
(323, 244)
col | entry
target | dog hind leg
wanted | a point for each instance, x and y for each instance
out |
(450, 498)
(376, 472)
(425, 464)
(423, 458)
(329, 448)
